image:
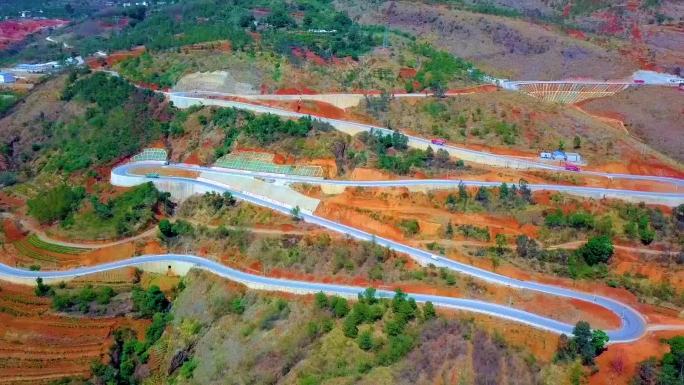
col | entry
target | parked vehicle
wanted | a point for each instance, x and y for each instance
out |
(152, 175)
(571, 167)
(639, 81)
(545, 155)
(439, 142)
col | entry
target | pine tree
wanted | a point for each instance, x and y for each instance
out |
(449, 232)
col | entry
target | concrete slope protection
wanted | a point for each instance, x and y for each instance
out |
(187, 99)
(633, 325)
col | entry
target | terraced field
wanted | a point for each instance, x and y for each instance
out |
(33, 250)
(38, 346)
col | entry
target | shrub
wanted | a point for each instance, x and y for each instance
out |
(429, 311)
(321, 300)
(365, 340)
(410, 226)
(581, 220)
(188, 368)
(555, 219)
(585, 343)
(156, 328)
(597, 250)
(149, 302)
(55, 204)
(339, 306)
(42, 289)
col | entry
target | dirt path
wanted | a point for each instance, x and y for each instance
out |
(642, 250)
(34, 228)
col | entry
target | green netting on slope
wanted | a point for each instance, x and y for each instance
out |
(262, 162)
(151, 154)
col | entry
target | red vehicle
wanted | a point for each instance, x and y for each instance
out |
(571, 167)
(439, 142)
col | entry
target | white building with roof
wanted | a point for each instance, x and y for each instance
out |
(7, 78)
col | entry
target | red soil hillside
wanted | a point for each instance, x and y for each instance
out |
(37, 346)
(14, 31)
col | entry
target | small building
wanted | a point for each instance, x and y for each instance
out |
(558, 155)
(7, 78)
(37, 68)
(573, 157)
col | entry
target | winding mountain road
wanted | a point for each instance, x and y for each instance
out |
(186, 99)
(633, 325)
(671, 199)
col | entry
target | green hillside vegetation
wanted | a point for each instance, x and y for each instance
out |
(87, 217)
(327, 340)
(7, 100)
(177, 25)
(55, 204)
(119, 121)
(121, 216)
(322, 30)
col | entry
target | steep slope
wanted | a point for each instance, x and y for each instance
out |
(233, 336)
(652, 114)
(506, 47)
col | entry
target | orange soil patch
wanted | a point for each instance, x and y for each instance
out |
(167, 171)
(618, 364)
(13, 31)
(626, 261)
(354, 207)
(577, 34)
(217, 45)
(295, 91)
(318, 108)
(653, 314)
(114, 58)
(472, 90)
(407, 73)
(107, 254)
(309, 56)
(10, 201)
(360, 173)
(329, 166)
(350, 217)
(153, 247)
(647, 166)
(314, 108)
(541, 344)
(12, 231)
(596, 315)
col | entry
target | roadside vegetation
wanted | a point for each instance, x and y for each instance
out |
(369, 339)
(119, 121)
(667, 370)
(315, 253)
(495, 118)
(86, 216)
(7, 100)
